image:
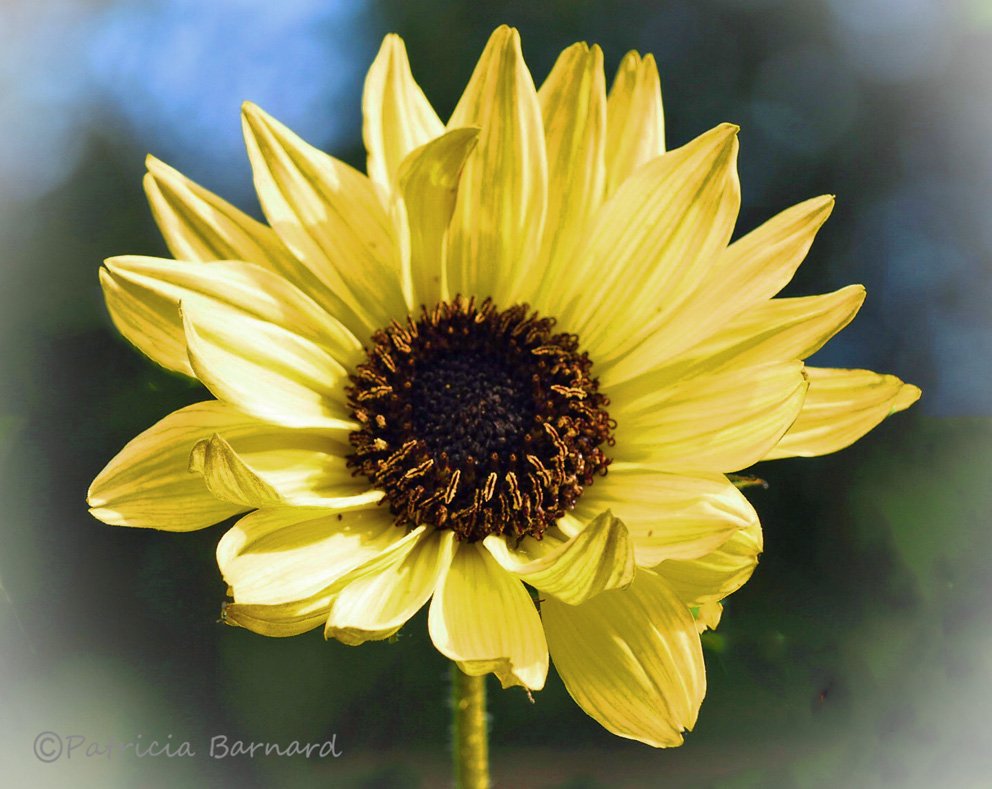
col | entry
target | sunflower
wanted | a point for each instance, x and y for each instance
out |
(506, 373)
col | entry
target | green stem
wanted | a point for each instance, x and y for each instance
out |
(471, 748)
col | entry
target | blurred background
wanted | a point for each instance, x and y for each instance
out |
(861, 652)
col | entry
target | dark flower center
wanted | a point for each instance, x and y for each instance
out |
(478, 420)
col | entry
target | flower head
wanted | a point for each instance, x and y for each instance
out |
(506, 372)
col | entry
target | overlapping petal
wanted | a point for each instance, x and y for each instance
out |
(143, 295)
(840, 407)
(631, 659)
(330, 216)
(464, 628)
(285, 554)
(636, 131)
(149, 483)
(389, 591)
(652, 245)
(669, 516)
(306, 475)
(428, 184)
(496, 227)
(598, 558)
(573, 108)
(271, 369)
(397, 117)
(716, 423)
(744, 275)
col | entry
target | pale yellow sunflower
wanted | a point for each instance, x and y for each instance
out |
(505, 372)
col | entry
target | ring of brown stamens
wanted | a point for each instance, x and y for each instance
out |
(478, 420)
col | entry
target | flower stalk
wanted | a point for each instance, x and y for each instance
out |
(471, 737)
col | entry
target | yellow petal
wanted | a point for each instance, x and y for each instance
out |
(305, 477)
(669, 516)
(143, 296)
(279, 555)
(397, 117)
(573, 107)
(599, 558)
(652, 245)
(378, 604)
(745, 274)
(428, 184)
(636, 131)
(631, 659)
(271, 370)
(482, 618)
(710, 578)
(499, 213)
(148, 483)
(331, 218)
(707, 616)
(777, 330)
(281, 620)
(841, 406)
(198, 225)
(719, 422)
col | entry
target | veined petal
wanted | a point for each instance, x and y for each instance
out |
(710, 578)
(599, 558)
(669, 516)
(331, 218)
(631, 659)
(199, 225)
(721, 422)
(777, 330)
(281, 620)
(271, 370)
(276, 556)
(379, 603)
(840, 407)
(143, 296)
(302, 476)
(148, 483)
(397, 117)
(636, 130)
(573, 107)
(499, 213)
(482, 618)
(652, 245)
(745, 274)
(428, 184)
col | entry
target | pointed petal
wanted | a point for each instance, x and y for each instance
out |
(305, 477)
(482, 618)
(397, 115)
(636, 131)
(744, 275)
(279, 555)
(281, 620)
(777, 330)
(719, 423)
(270, 369)
(378, 604)
(599, 558)
(331, 218)
(669, 516)
(573, 107)
(841, 406)
(428, 185)
(653, 244)
(631, 659)
(148, 483)
(143, 296)
(499, 213)
(708, 579)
